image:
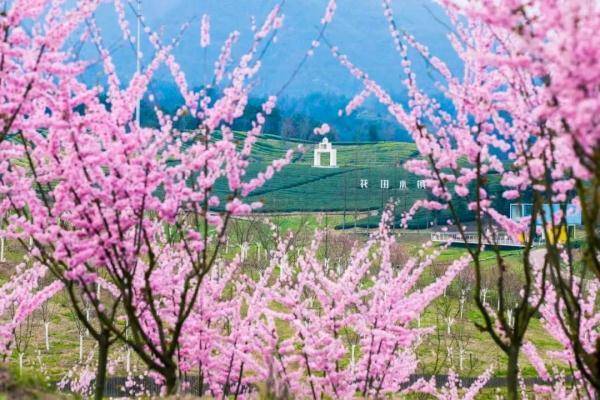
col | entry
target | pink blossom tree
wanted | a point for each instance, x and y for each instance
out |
(453, 389)
(562, 364)
(109, 203)
(523, 108)
(133, 210)
(558, 161)
(309, 329)
(36, 72)
(35, 63)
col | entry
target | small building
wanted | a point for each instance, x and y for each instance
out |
(325, 147)
(572, 218)
(521, 210)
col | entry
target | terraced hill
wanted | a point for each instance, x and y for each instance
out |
(270, 147)
(302, 188)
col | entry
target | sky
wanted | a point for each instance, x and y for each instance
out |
(359, 29)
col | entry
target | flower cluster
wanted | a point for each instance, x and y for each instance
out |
(310, 328)
(205, 31)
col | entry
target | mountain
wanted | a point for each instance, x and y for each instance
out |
(359, 29)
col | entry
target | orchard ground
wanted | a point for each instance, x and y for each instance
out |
(454, 342)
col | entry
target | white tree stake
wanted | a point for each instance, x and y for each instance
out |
(449, 325)
(2, 249)
(80, 347)
(46, 328)
(244, 251)
(21, 363)
(87, 317)
(128, 356)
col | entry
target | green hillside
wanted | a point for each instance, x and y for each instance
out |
(300, 187)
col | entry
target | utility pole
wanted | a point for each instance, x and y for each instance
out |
(345, 198)
(138, 56)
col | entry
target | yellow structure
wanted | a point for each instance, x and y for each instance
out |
(557, 235)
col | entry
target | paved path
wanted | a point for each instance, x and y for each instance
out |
(537, 256)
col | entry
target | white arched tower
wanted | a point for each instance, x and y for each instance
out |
(325, 147)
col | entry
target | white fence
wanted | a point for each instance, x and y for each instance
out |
(473, 238)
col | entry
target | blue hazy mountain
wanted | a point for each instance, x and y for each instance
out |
(359, 30)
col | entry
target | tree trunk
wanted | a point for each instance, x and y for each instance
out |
(512, 373)
(171, 381)
(103, 345)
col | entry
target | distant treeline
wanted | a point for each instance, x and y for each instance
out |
(293, 117)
